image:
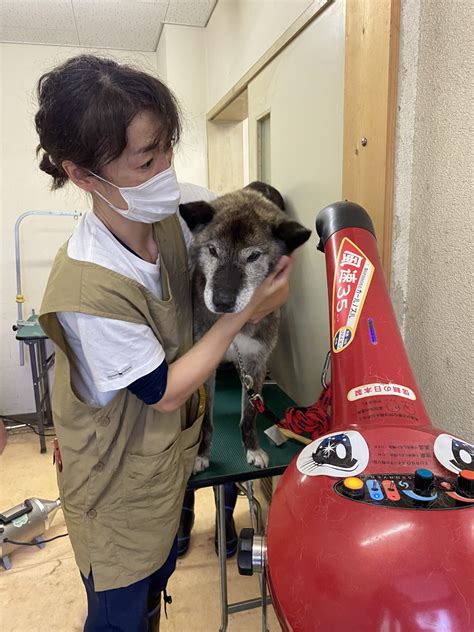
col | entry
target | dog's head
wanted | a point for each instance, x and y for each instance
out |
(238, 239)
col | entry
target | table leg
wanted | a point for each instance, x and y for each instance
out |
(258, 527)
(45, 379)
(263, 590)
(36, 389)
(221, 543)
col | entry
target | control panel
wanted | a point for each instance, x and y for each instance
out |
(421, 490)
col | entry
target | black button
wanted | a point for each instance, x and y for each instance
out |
(423, 481)
(92, 513)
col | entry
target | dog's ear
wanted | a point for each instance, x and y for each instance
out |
(268, 191)
(291, 234)
(196, 214)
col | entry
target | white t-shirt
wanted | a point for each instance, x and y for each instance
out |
(111, 354)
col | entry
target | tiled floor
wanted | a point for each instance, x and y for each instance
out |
(43, 591)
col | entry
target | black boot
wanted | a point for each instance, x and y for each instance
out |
(186, 523)
(230, 498)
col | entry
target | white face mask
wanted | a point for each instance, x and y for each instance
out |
(150, 201)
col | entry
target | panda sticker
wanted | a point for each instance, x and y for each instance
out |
(453, 453)
(339, 454)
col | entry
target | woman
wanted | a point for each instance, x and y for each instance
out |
(117, 306)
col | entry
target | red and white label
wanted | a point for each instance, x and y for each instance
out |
(352, 279)
(369, 390)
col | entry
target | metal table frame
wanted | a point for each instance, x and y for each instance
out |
(249, 604)
(40, 362)
(247, 479)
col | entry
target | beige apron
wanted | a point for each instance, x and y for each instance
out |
(125, 465)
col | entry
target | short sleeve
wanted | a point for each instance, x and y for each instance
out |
(116, 352)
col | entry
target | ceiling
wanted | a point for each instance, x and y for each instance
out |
(119, 24)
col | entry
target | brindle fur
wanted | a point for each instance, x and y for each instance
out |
(237, 226)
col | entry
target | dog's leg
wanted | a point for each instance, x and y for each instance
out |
(202, 460)
(254, 453)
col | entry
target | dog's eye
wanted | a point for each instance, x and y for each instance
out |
(213, 251)
(254, 256)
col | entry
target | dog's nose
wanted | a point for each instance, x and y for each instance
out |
(224, 305)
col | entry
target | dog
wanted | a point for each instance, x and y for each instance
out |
(238, 239)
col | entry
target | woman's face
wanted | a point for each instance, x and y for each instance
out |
(142, 158)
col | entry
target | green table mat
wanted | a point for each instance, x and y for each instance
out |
(228, 462)
(31, 331)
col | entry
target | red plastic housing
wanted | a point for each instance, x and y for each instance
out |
(336, 565)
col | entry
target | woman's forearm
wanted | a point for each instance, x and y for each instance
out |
(192, 369)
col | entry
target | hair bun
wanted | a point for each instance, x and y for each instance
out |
(47, 165)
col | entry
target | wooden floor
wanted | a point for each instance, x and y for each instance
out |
(43, 591)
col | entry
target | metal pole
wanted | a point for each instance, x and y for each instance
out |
(263, 590)
(36, 388)
(19, 297)
(222, 549)
(256, 520)
(45, 381)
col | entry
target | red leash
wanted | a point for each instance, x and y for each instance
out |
(311, 419)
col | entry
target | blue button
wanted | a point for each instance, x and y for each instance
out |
(422, 473)
(374, 488)
(411, 494)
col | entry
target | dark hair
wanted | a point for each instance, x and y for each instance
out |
(269, 192)
(85, 108)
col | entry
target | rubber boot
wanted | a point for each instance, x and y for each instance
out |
(186, 522)
(230, 498)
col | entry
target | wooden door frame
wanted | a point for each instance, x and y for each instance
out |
(370, 107)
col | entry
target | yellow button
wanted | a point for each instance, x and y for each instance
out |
(353, 483)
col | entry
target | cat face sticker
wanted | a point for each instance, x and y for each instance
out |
(339, 454)
(454, 454)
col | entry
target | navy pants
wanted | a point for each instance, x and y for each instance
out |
(127, 609)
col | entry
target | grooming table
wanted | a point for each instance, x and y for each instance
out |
(33, 336)
(228, 463)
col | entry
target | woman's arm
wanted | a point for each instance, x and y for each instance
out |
(186, 374)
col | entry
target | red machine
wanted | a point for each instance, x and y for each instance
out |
(371, 528)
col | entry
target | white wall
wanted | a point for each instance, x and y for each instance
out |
(433, 223)
(181, 63)
(238, 34)
(303, 91)
(24, 187)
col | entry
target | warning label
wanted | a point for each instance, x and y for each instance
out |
(352, 279)
(367, 390)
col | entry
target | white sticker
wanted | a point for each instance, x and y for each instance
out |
(19, 522)
(453, 453)
(341, 454)
(369, 390)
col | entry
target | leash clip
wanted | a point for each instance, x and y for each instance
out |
(256, 401)
(248, 381)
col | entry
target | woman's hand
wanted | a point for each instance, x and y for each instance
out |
(273, 292)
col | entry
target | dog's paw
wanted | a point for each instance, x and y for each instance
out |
(259, 457)
(200, 464)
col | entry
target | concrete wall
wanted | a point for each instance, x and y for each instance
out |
(433, 229)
